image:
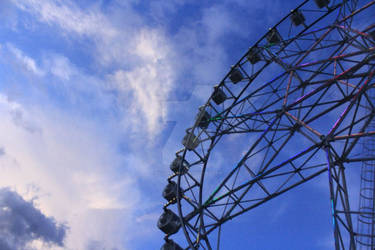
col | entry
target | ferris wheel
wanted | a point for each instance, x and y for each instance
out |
(299, 103)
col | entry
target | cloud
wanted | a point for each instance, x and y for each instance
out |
(138, 58)
(19, 120)
(60, 66)
(8, 14)
(25, 61)
(76, 171)
(145, 63)
(147, 86)
(16, 113)
(21, 223)
(68, 16)
(96, 245)
(111, 37)
(81, 176)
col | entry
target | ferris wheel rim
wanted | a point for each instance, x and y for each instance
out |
(185, 150)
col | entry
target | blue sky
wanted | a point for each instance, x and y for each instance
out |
(95, 97)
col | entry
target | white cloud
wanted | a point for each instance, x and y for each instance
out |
(55, 64)
(148, 84)
(145, 63)
(201, 47)
(218, 21)
(69, 17)
(111, 39)
(25, 61)
(142, 57)
(70, 160)
(60, 67)
(74, 170)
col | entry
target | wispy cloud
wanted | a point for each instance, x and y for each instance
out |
(60, 66)
(147, 77)
(25, 61)
(73, 156)
(148, 84)
(69, 17)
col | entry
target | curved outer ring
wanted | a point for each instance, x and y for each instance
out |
(330, 10)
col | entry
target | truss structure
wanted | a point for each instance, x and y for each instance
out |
(366, 215)
(297, 104)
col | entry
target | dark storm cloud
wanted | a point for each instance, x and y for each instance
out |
(21, 223)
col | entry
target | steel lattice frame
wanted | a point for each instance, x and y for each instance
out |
(366, 216)
(301, 110)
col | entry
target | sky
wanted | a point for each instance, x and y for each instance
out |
(95, 97)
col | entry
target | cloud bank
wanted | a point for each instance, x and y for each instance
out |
(85, 95)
